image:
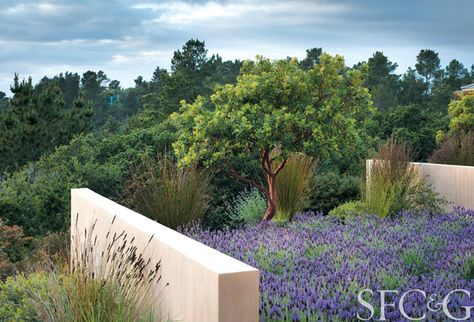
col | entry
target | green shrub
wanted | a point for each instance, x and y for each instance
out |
(457, 149)
(348, 210)
(172, 196)
(247, 207)
(218, 218)
(292, 186)
(422, 197)
(17, 303)
(328, 190)
(37, 197)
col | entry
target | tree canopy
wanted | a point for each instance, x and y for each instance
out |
(33, 125)
(275, 106)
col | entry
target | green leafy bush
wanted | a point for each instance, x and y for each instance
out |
(348, 210)
(37, 197)
(247, 207)
(292, 186)
(328, 190)
(17, 302)
(172, 196)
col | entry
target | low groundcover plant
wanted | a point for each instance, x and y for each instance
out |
(313, 268)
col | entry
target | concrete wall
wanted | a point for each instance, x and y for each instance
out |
(454, 182)
(204, 284)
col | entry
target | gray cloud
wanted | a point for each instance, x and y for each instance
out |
(127, 38)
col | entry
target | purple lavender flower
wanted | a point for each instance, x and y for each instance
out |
(313, 268)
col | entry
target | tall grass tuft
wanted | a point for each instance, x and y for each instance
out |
(171, 196)
(392, 178)
(292, 185)
(112, 281)
(457, 149)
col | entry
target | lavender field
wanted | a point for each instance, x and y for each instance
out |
(313, 268)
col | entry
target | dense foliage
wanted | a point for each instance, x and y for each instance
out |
(37, 197)
(314, 268)
(32, 125)
(274, 105)
(330, 189)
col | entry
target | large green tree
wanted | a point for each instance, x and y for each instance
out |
(412, 88)
(32, 125)
(193, 73)
(382, 82)
(312, 58)
(414, 125)
(275, 106)
(428, 66)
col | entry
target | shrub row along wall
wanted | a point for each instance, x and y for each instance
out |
(453, 182)
(204, 284)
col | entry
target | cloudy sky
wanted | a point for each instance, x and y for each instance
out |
(128, 38)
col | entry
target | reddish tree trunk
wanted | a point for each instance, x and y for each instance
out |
(271, 174)
(271, 198)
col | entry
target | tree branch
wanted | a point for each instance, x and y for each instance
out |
(249, 181)
(280, 167)
(265, 163)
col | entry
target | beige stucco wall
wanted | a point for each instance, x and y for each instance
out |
(204, 284)
(454, 182)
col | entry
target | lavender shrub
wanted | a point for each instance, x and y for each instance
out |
(313, 268)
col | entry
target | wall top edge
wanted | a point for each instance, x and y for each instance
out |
(212, 259)
(436, 164)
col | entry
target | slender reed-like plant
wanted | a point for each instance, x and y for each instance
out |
(171, 196)
(109, 280)
(391, 179)
(292, 186)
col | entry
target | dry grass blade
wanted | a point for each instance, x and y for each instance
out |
(457, 149)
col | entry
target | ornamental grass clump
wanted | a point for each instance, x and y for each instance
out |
(391, 178)
(393, 183)
(168, 194)
(292, 186)
(107, 281)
